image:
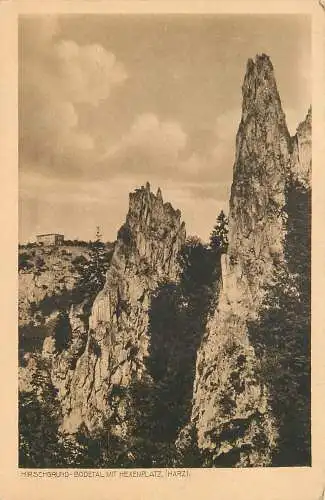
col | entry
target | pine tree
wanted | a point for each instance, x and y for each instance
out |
(92, 269)
(98, 235)
(219, 234)
(281, 334)
(41, 443)
(39, 417)
(99, 262)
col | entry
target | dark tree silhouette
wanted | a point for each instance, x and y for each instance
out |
(281, 335)
(219, 234)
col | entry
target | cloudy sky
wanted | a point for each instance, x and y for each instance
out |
(108, 102)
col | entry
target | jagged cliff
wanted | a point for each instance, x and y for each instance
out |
(53, 285)
(116, 343)
(121, 353)
(233, 415)
(45, 272)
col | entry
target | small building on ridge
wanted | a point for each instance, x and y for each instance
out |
(50, 239)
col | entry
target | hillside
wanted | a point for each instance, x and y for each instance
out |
(51, 279)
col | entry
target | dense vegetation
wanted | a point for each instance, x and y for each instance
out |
(159, 406)
(281, 335)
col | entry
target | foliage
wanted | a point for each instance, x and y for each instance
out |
(93, 270)
(281, 335)
(76, 243)
(38, 423)
(39, 262)
(79, 262)
(124, 234)
(219, 234)
(41, 444)
(200, 272)
(178, 316)
(158, 406)
(24, 263)
(29, 245)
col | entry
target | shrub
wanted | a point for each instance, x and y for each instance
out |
(23, 262)
(79, 261)
(39, 262)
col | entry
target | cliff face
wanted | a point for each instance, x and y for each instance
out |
(232, 412)
(301, 154)
(45, 272)
(117, 340)
(119, 349)
(52, 294)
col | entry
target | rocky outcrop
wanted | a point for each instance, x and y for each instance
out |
(45, 273)
(119, 353)
(117, 339)
(301, 154)
(51, 291)
(231, 415)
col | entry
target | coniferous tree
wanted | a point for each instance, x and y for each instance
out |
(281, 335)
(99, 262)
(93, 270)
(98, 235)
(219, 234)
(38, 422)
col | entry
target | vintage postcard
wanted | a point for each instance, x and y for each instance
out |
(164, 209)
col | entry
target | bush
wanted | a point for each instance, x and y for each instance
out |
(39, 262)
(80, 261)
(23, 262)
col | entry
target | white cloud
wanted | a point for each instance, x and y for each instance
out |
(86, 73)
(166, 136)
(153, 149)
(56, 77)
(215, 162)
(150, 147)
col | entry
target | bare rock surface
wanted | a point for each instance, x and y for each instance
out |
(117, 340)
(231, 415)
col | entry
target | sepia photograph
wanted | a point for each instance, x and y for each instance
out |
(164, 257)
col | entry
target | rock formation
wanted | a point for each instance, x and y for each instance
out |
(50, 291)
(116, 343)
(248, 384)
(231, 415)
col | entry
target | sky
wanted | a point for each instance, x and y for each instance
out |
(108, 102)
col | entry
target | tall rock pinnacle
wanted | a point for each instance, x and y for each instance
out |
(231, 414)
(145, 253)
(263, 149)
